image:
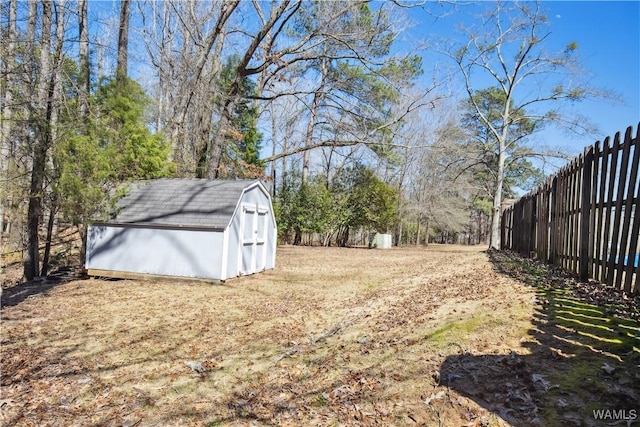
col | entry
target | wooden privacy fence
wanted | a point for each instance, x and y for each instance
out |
(586, 217)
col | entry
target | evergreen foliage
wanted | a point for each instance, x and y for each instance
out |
(110, 146)
(355, 198)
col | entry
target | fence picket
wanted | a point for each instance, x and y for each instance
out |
(614, 258)
(585, 211)
(631, 206)
(593, 247)
(607, 260)
(602, 237)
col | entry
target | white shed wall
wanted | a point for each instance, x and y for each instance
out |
(233, 268)
(185, 253)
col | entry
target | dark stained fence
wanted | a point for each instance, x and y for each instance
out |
(585, 218)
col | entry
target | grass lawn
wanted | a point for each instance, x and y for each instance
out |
(442, 336)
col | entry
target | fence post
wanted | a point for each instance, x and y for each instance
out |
(585, 215)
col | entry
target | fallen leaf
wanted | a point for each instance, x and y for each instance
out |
(608, 369)
(541, 379)
(434, 396)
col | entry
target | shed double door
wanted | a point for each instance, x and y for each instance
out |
(254, 248)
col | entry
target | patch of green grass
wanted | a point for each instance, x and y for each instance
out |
(453, 332)
(305, 376)
(583, 374)
(594, 325)
(320, 401)
(371, 285)
(582, 378)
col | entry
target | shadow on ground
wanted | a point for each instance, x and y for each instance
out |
(18, 293)
(582, 364)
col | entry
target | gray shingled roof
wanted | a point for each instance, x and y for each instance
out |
(181, 202)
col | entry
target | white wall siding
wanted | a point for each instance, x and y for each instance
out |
(235, 234)
(185, 253)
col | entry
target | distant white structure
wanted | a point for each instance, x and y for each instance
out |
(382, 241)
(189, 228)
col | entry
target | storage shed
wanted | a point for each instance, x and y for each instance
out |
(193, 228)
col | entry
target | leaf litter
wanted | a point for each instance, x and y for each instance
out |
(333, 336)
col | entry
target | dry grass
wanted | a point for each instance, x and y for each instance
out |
(333, 336)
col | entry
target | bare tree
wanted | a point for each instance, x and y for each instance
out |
(509, 47)
(41, 146)
(53, 115)
(184, 41)
(18, 84)
(435, 195)
(43, 120)
(440, 198)
(6, 109)
(285, 115)
(272, 27)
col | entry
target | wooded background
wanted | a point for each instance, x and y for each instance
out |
(314, 97)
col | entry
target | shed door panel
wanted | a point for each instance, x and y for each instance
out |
(255, 227)
(248, 240)
(261, 238)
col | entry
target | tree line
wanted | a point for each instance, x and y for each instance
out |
(312, 96)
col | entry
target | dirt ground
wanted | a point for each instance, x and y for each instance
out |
(442, 336)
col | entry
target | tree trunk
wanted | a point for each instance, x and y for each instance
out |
(42, 120)
(205, 113)
(47, 248)
(344, 236)
(426, 233)
(82, 230)
(31, 50)
(84, 84)
(52, 118)
(497, 200)
(34, 211)
(123, 41)
(6, 93)
(306, 157)
(273, 152)
(242, 71)
(398, 241)
(285, 147)
(99, 61)
(214, 160)
(297, 239)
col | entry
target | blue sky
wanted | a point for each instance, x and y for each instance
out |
(608, 38)
(607, 34)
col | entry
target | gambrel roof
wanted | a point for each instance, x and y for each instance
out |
(181, 202)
